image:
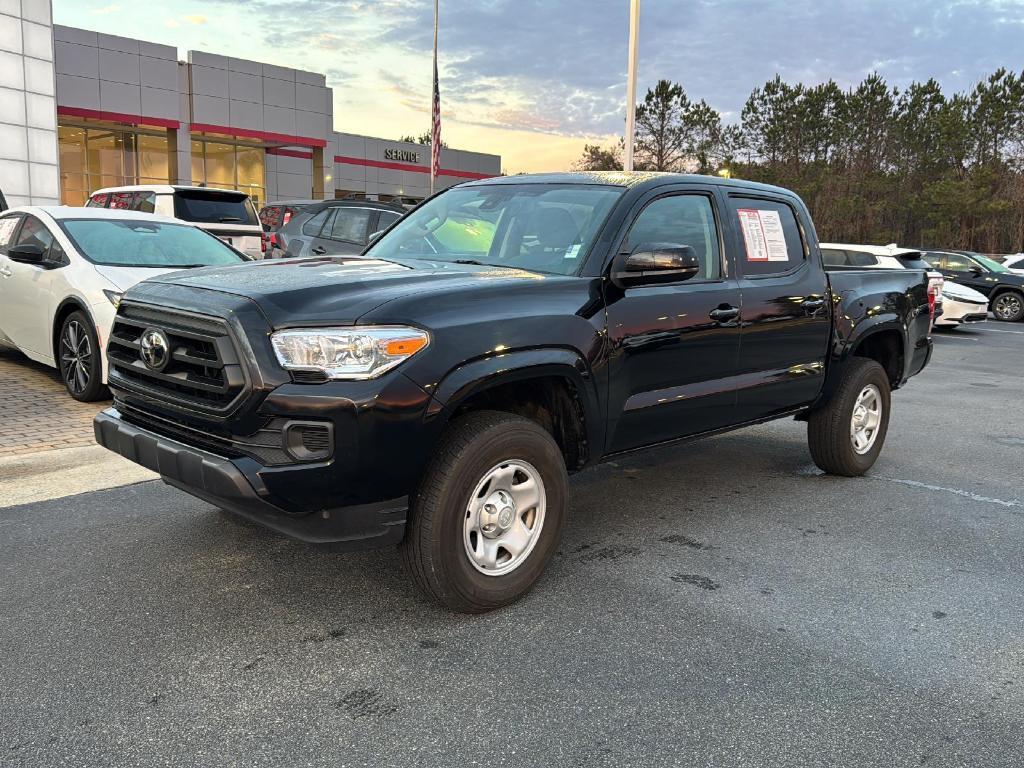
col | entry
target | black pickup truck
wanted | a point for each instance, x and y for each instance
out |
(436, 390)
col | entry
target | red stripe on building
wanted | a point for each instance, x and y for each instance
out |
(408, 167)
(246, 133)
(289, 153)
(118, 117)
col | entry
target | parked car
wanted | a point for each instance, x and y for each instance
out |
(229, 215)
(276, 215)
(1015, 263)
(436, 395)
(62, 274)
(1004, 289)
(336, 227)
(847, 255)
(961, 305)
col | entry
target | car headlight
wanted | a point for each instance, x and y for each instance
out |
(347, 353)
(114, 297)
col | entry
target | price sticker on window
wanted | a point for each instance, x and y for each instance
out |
(763, 235)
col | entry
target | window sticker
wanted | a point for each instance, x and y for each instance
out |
(763, 235)
(572, 251)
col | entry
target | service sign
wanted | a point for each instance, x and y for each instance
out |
(404, 155)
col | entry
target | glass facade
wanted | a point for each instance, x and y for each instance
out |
(216, 163)
(92, 157)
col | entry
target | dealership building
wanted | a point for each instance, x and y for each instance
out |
(81, 110)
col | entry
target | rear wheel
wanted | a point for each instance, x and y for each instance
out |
(846, 435)
(488, 514)
(79, 359)
(1008, 306)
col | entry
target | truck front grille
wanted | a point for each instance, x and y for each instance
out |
(202, 370)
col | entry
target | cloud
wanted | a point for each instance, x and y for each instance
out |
(196, 19)
(105, 10)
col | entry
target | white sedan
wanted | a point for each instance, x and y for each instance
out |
(961, 305)
(62, 273)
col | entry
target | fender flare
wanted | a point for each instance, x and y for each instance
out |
(864, 331)
(485, 373)
(80, 306)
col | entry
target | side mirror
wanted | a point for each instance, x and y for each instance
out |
(651, 263)
(26, 253)
(976, 271)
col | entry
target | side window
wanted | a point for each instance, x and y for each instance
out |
(861, 259)
(680, 220)
(314, 225)
(8, 225)
(98, 201)
(772, 243)
(144, 202)
(386, 220)
(34, 232)
(956, 262)
(833, 257)
(351, 225)
(121, 200)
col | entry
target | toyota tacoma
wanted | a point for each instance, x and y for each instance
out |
(436, 391)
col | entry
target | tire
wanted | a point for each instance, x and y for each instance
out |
(79, 359)
(1008, 306)
(480, 456)
(830, 429)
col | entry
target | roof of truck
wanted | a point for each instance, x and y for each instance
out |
(628, 179)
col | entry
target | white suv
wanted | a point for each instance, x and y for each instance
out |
(229, 215)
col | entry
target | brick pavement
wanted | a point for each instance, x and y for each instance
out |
(36, 412)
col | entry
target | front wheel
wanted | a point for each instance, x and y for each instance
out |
(1009, 306)
(846, 434)
(488, 514)
(78, 356)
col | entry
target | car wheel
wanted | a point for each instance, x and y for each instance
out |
(79, 359)
(488, 513)
(1008, 306)
(846, 435)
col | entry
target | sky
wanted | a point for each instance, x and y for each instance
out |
(535, 80)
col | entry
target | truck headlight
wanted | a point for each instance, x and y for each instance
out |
(347, 353)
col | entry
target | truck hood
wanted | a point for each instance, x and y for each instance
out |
(337, 289)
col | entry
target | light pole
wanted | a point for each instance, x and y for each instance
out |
(634, 35)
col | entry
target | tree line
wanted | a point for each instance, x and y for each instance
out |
(875, 164)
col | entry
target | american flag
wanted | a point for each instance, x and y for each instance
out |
(435, 127)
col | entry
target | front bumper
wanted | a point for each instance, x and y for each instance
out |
(222, 483)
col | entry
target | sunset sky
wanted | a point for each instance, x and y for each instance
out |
(533, 80)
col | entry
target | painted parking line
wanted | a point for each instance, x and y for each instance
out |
(997, 330)
(955, 338)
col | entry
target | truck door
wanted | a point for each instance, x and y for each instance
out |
(786, 315)
(673, 347)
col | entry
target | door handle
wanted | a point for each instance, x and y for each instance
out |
(813, 304)
(319, 250)
(723, 314)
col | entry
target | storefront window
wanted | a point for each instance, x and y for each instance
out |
(229, 166)
(96, 157)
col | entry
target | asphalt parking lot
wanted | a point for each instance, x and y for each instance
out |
(714, 604)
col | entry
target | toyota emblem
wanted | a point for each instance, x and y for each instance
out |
(154, 349)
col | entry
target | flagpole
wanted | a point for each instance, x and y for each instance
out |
(434, 119)
(634, 35)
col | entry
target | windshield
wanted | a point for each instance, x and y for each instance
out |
(989, 264)
(209, 206)
(540, 227)
(140, 243)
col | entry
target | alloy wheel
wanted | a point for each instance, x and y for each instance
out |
(867, 415)
(75, 357)
(1007, 306)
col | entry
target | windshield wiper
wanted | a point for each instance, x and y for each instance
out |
(468, 261)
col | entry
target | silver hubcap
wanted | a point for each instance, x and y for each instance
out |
(504, 517)
(75, 357)
(867, 415)
(1007, 305)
